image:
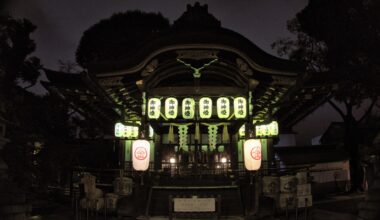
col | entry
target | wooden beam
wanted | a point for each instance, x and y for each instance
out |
(204, 90)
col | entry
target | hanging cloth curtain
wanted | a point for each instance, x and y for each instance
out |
(225, 136)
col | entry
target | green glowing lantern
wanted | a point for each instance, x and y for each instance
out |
(205, 107)
(268, 130)
(240, 107)
(171, 108)
(223, 107)
(188, 108)
(119, 129)
(154, 108)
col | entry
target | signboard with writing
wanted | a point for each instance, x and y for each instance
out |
(194, 204)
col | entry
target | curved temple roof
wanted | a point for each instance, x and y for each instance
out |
(197, 28)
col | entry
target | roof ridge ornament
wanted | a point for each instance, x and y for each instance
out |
(197, 71)
(197, 16)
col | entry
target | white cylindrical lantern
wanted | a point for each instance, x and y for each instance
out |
(205, 107)
(154, 108)
(252, 154)
(240, 107)
(141, 153)
(171, 108)
(223, 107)
(188, 108)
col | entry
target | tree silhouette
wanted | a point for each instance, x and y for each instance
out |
(113, 38)
(341, 38)
(15, 48)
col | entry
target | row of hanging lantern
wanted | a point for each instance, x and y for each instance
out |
(263, 130)
(126, 131)
(129, 131)
(205, 107)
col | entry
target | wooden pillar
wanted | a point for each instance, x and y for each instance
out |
(270, 152)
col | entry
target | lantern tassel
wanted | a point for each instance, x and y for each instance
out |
(225, 137)
(171, 134)
(197, 135)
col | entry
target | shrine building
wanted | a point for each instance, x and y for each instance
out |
(194, 112)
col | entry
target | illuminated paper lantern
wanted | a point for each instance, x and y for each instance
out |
(268, 130)
(141, 153)
(171, 108)
(252, 154)
(119, 129)
(188, 108)
(205, 107)
(223, 107)
(154, 108)
(240, 107)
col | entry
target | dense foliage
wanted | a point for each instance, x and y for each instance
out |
(113, 38)
(15, 49)
(341, 38)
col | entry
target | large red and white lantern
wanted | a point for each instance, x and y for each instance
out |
(141, 153)
(252, 154)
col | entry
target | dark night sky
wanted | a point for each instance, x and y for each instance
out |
(60, 24)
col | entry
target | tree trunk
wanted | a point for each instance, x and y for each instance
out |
(351, 144)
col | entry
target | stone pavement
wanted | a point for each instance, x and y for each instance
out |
(335, 207)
